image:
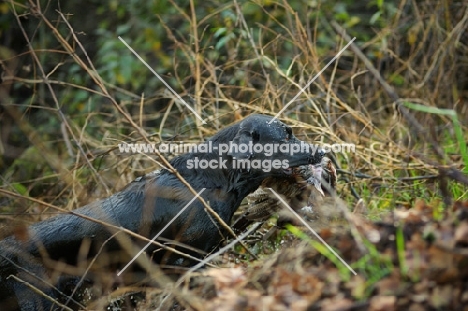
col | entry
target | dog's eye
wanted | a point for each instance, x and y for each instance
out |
(288, 133)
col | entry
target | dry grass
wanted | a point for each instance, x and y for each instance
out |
(422, 53)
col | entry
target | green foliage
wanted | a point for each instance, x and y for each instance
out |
(230, 72)
(373, 267)
(459, 135)
(322, 249)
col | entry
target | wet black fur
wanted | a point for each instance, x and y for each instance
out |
(144, 207)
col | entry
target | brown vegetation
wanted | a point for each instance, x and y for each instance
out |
(58, 143)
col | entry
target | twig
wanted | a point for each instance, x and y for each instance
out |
(54, 164)
(103, 223)
(37, 278)
(418, 129)
(366, 176)
(415, 126)
(97, 79)
(38, 291)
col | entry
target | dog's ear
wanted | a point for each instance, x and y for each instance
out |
(241, 145)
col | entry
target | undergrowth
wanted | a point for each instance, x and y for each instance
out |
(227, 63)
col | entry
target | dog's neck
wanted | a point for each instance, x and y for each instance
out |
(230, 186)
(229, 178)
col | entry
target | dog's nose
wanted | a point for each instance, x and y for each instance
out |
(316, 156)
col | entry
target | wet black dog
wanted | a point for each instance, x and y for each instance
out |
(146, 205)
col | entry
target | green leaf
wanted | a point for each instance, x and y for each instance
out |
(220, 32)
(456, 126)
(20, 188)
(354, 20)
(397, 79)
(375, 17)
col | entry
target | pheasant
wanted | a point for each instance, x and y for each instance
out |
(303, 190)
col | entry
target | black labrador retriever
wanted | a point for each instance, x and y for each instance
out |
(258, 147)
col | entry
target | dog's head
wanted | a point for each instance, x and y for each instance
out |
(262, 138)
